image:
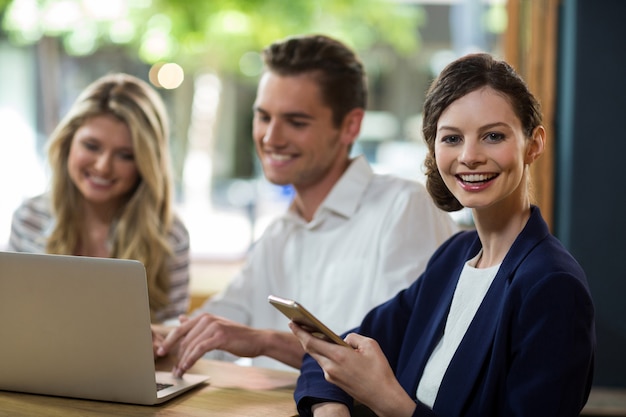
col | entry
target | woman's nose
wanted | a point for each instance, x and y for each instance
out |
(103, 162)
(471, 154)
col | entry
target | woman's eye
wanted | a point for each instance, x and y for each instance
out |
(495, 137)
(451, 139)
(127, 156)
(90, 146)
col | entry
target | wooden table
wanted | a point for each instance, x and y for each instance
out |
(605, 401)
(233, 391)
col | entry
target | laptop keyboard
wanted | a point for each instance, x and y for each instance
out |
(160, 386)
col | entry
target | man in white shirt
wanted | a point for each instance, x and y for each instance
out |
(350, 240)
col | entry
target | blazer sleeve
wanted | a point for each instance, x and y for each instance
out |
(385, 323)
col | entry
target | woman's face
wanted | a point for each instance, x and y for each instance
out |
(101, 161)
(481, 151)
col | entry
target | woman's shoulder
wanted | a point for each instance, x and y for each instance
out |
(540, 261)
(31, 225)
(548, 268)
(462, 245)
(550, 256)
(39, 202)
(34, 209)
(178, 233)
(465, 238)
(541, 252)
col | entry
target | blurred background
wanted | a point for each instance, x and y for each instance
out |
(203, 58)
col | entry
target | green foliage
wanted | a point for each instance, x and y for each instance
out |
(217, 33)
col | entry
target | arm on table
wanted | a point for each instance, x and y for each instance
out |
(206, 332)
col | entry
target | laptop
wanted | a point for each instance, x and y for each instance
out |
(75, 326)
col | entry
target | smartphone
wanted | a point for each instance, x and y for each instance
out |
(304, 318)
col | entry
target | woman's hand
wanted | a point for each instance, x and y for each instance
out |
(363, 372)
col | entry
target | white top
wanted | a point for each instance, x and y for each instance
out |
(370, 238)
(33, 223)
(468, 295)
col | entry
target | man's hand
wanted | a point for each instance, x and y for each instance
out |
(204, 333)
(158, 336)
(157, 339)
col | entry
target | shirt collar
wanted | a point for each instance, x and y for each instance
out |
(344, 198)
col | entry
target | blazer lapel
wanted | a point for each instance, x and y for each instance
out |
(470, 358)
(426, 334)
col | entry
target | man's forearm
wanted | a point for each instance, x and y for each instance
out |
(282, 346)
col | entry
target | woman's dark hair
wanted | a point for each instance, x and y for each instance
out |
(337, 70)
(459, 78)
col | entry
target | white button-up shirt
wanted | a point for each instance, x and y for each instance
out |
(371, 237)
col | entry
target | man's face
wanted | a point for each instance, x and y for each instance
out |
(295, 138)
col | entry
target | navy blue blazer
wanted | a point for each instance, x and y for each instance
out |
(529, 351)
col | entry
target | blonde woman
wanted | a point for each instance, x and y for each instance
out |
(111, 190)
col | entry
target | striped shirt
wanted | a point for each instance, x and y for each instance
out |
(33, 223)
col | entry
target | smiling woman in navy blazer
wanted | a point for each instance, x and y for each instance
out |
(501, 323)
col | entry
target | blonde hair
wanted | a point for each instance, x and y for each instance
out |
(140, 228)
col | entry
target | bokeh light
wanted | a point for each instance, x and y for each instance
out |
(122, 31)
(166, 75)
(251, 64)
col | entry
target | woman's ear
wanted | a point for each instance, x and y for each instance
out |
(535, 145)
